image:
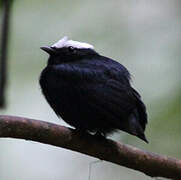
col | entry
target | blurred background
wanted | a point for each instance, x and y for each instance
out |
(145, 36)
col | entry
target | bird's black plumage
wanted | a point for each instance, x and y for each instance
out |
(92, 92)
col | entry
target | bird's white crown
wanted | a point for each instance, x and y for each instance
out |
(65, 42)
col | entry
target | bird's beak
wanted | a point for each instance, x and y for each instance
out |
(48, 49)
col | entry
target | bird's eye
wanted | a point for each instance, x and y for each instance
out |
(71, 49)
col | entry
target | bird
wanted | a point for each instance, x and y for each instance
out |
(91, 92)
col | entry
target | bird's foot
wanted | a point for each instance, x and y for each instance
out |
(80, 131)
(100, 135)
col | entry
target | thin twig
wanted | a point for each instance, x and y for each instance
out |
(90, 167)
(152, 164)
(6, 4)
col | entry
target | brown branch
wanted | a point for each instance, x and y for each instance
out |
(152, 164)
(6, 10)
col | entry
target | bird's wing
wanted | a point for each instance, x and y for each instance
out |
(104, 85)
(114, 99)
(107, 87)
(120, 80)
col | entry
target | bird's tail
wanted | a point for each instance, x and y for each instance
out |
(135, 128)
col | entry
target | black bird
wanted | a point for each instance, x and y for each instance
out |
(91, 92)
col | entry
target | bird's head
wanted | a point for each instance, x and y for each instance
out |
(68, 51)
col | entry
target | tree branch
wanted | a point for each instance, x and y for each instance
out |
(152, 164)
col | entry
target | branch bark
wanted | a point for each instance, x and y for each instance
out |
(151, 164)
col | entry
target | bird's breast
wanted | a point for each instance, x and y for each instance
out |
(59, 91)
